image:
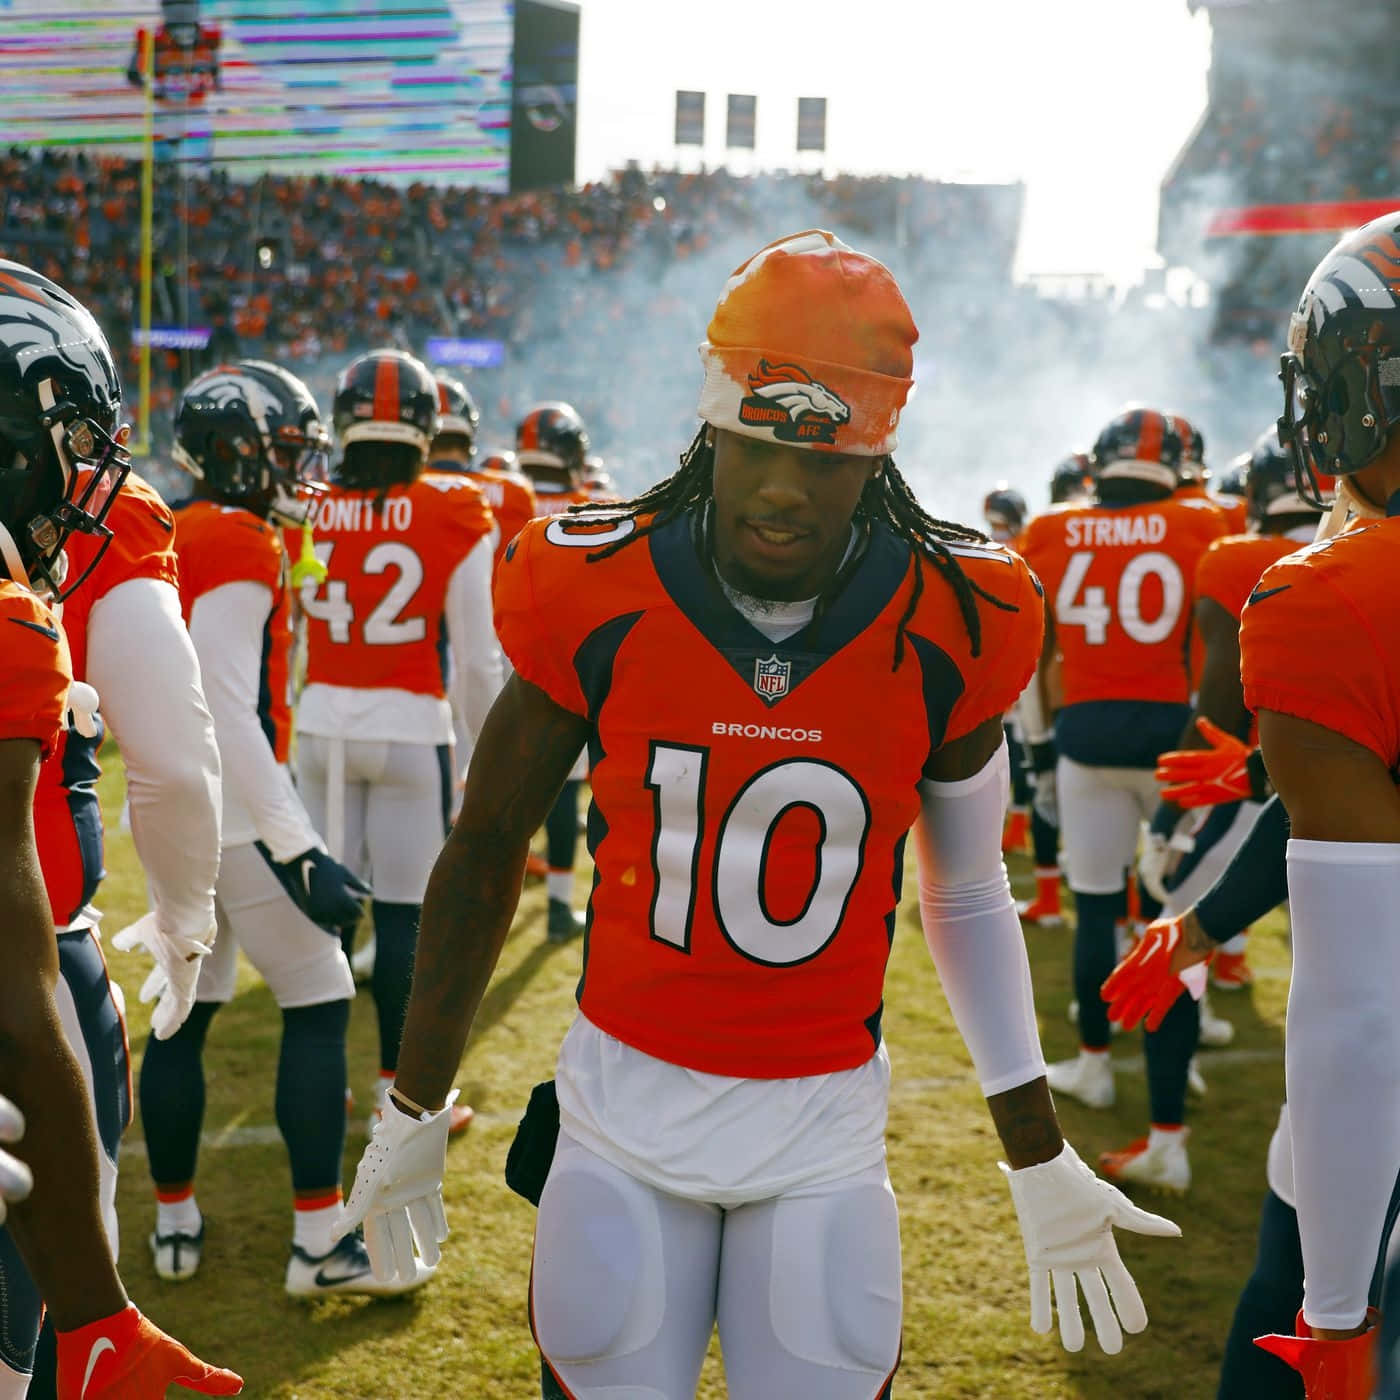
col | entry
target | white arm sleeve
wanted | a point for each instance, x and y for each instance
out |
(1342, 1055)
(142, 664)
(1030, 711)
(471, 633)
(227, 625)
(971, 926)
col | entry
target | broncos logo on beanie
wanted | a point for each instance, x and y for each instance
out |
(811, 343)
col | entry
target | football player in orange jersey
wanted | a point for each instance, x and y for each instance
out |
(509, 493)
(409, 556)
(1117, 574)
(551, 447)
(717, 1153)
(60, 470)
(1321, 671)
(1184, 854)
(250, 435)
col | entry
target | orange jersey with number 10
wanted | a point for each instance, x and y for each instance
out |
(376, 623)
(1119, 585)
(751, 798)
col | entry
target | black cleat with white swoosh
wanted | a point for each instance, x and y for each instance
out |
(346, 1269)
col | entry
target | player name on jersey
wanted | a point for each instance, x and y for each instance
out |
(368, 512)
(1090, 532)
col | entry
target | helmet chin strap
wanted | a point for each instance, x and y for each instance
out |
(57, 431)
(9, 556)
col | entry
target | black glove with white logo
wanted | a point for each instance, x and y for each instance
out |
(321, 887)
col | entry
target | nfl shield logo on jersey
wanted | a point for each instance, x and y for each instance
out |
(770, 678)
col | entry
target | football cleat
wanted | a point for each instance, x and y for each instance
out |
(1088, 1078)
(176, 1255)
(345, 1269)
(1044, 909)
(1016, 832)
(362, 964)
(1159, 1163)
(1195, 1080)
(1230, 972)
(564, 924)
(1215, 1030)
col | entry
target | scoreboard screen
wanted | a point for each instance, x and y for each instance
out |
(396, 89)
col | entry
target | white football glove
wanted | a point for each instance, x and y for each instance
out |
(1152, 864)
(397, 1195)
(1067, 1215)
(1045, 800)
(16, 1181)
(173, 978)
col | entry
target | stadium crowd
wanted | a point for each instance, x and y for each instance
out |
(307, 270)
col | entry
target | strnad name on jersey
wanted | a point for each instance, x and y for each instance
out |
(1090, 531)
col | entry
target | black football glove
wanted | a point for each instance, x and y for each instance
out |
(321, 887)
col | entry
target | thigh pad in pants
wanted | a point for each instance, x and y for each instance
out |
(826, 1260)
(623, 1285)
(301, 963)
(1101, 810)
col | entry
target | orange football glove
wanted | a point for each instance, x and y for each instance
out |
(1227, 771)
(127, 1357)
(1145, 983)
(1342, 1370)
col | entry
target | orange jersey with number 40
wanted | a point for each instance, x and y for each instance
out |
(751, 798)
(376, 622)
(1119, 583)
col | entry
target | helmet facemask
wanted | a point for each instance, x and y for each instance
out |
(67, 489)
(1341, 391)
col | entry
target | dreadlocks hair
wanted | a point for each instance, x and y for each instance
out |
(887, 499)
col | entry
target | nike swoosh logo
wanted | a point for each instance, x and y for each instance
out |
(167, 525)
(1259, 595)
(323, 1282)
(307, 866)
(101, 1345)
(50, 632)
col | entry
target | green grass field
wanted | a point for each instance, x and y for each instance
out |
(465, 1334)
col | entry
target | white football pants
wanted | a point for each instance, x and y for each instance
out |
(628, 1284)
(388, 803)
(1101, 812)
(301, 963)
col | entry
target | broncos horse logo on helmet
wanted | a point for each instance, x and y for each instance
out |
(797, 407)
(1341, 373)
(61, 461)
